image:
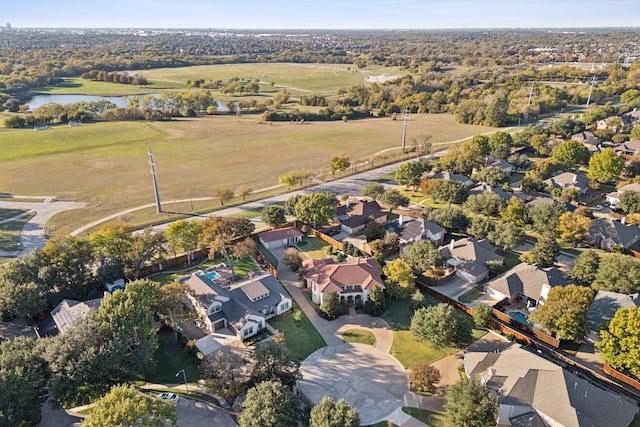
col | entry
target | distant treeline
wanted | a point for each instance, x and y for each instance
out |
(117, 77)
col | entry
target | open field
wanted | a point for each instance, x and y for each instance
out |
(106, 164)
(80, 86)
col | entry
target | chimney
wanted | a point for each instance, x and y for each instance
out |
(348, 203)
(575, 178)
(400, 220)
(453, 241)
(623, 220)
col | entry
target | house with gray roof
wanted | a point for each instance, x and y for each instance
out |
(354, 215)
(470, 258)
(607, 233)
(604, 307)
(533, 391)
(525, 282)
(483, 187)
(499, 163)
(569, 180)
(628, 149)
(411, 230)
(70, 311)
(242, 308)
(614, 197)
(450, 176)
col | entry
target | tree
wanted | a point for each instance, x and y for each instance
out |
(243, 191)
(452, 218)
(439, 326)
(464, 158)
(519, 161)
(619, 345)
(605, 166)
(184, 235)
(223, 374)
(316, 208)
(506, 235)
(373, 189)
(540, 143)
(570, 154)
(492, 175)
(450, 191)
(339, 164)
(68, 262)
(485, 203)
(23, 381)
(146, 246)
(224, 235)
(544, 252)
(618, 273)
(269, 404)
(401, 280)
(172, 305)
(422, 256)
(423, 377)
(515, 212)
(470, 404)
(481, 315)
(418, 300)
(124, 405)
(376, 303)
(20, 294)
(545, 216)
(500, 144)
(480, 227)
(331, 306)
(586, 267)
(273, 215)
(374, 231)
(329, 413)
(224, 194)
(573, 226)
(564, 312)
(393, 198)
(409, 174)
(292, 259)
(630, 202)
(274, 362)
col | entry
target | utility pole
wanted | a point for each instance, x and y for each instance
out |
(526, 113)
(593, 80)
(155, 181)
(404, 129)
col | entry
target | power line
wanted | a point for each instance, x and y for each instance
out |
(155, 181)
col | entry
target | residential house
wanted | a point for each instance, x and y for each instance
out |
(500, 163)
(631, 117)
(589, 140)
(607, 233)
(614, 123)
(450, 176)
(483, 187)
(470, 258)
(69, 311)
(280, 238)
(411, 230)
(604, 307)
(533, 391)
(353, 216)
(242, 308)
(352, 280)
(614, 198)
(628, 149)
(576, 181)
(527, 283)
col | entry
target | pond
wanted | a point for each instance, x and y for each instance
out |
(120, 101)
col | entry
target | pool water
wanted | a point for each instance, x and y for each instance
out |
(212, 275)
(520, 317)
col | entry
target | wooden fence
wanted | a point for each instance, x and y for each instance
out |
(614, 373)
(333, 242)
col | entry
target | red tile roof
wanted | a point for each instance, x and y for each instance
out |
(333, 277)
(280, 234)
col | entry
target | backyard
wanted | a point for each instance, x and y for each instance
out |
(314, 248)
(242, 267)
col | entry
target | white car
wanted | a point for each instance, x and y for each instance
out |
(170, 396)
(598, 207)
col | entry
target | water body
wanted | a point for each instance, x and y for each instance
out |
(120, 101)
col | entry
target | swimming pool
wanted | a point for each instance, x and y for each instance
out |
(520, 317)
(211, 275)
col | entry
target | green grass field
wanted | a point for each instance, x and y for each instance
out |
(302, 340)
(361, 336)
(106, 164)
(80, 86)
(314, 247)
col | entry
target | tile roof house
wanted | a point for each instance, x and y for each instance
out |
(604, 307)
(470, 258)
(614, 197)
(526, 282)
(411, 230)
(533, 391)
(69, 311)
(353, 216)
(605, 232)
(352, 280)
(281, 237)
(577, 181)
(243, 308)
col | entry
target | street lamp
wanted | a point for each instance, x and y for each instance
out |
(184, 375)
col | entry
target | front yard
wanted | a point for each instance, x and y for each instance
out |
(300, 340)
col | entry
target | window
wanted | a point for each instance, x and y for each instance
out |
(248, 331)
(216, 307)
(284, 306)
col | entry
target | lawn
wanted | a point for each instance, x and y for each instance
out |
(314, 247)
(361, 336)
(168, 365)
(106, 164)
(242, 267)
(10, 213)
(80, 86)
(10, 233)
(431, 418)
(472, 294)
(408, 351)
(301, 341)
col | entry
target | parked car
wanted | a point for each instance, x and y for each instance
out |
(606, 204)
(170, 396)
(598, 207)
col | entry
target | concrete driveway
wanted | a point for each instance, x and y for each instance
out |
(373, 382)
(193, 413)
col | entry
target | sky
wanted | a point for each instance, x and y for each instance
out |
(321, 14)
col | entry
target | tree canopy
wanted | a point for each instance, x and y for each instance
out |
(316, 208)
(620, 346)
(440, 326)
(605, 166)
(274, 362)
(422, 256)
(470, 404)
(400, 279)
(329, 413)
(273, 215)
(269, 404)
(564, 312)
